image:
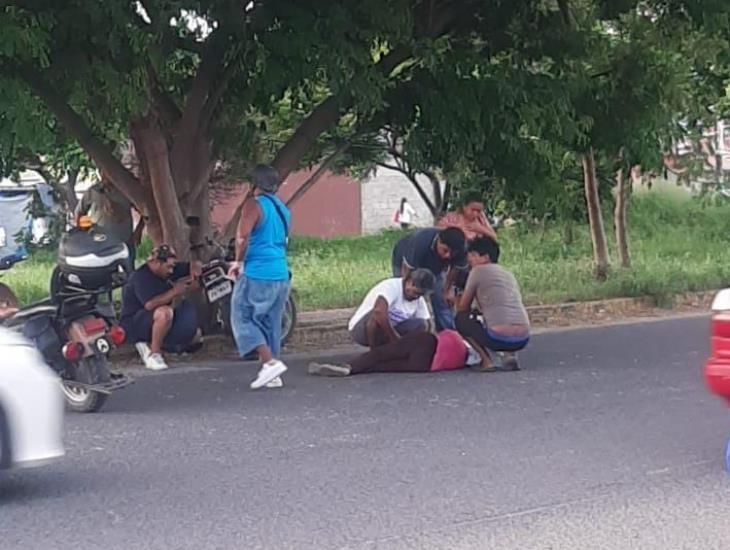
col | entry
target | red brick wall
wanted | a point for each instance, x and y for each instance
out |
(329, 209)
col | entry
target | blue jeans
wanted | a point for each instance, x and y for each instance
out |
(443, 313)
(257, 308)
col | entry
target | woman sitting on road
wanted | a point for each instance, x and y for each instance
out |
(415, 352)
(506, 326)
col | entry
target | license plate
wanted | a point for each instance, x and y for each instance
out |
(94, 326)
(215, 293)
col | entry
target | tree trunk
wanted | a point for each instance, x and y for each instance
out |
(173, 149)
(446, 199)
(200, 209)
(601, 258)
(431, 205)
(69, 189)
(171, 218)
(622, 190)
(438, 198)
(229, 231)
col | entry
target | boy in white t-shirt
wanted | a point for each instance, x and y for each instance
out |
(393, 308)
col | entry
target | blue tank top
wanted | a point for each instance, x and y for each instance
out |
(266, 254)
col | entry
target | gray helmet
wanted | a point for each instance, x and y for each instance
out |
(266, 178)
(423, 280)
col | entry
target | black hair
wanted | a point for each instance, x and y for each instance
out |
(423, 280)
(454, 238)
(470, 197)
(265, 177)
(486, 246)
(403, 202)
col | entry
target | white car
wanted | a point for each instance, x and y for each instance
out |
(31, 405)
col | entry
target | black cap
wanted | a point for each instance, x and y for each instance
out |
(163, 253)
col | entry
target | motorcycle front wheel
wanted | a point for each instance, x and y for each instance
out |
(92, 370)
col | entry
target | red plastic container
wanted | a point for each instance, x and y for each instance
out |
(717, 368)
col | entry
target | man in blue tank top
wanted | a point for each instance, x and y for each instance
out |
(262, 275)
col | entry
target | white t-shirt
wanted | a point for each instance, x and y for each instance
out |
(407, 215)
(399, 309)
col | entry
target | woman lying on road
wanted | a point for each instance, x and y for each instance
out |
(415, 352)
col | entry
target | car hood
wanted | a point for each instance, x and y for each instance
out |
(12, 338)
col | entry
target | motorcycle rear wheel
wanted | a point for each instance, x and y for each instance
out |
(82, 400)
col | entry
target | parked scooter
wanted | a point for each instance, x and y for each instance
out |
(75, 328)
(218, 291)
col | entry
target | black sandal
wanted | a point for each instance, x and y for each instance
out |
(480, 368)
(511, 365)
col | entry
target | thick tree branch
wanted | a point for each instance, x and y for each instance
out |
(162, 103)
(217, 93)
(412, 177)
(99, 152)
(438, 199)
(324, 117)
(318, 173)
(198, 94)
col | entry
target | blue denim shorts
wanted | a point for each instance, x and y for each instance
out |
(257, 308)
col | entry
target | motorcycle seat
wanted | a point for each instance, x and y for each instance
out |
(44, 307)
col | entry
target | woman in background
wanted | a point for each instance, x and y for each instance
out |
(406, 214)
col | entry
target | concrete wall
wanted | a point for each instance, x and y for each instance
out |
(381, 194)
(329, 209)
(340, 206)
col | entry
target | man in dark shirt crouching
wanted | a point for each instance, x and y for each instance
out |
(155, 312)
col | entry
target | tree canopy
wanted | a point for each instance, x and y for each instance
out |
(503, 95)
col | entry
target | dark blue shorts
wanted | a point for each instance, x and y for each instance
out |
(182, 331)
(499, 342)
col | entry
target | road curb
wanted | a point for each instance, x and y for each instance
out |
(326, 329)
(329, 328)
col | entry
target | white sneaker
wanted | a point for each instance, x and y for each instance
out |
(325, 369)
(269, 371)
(154, 361)
(143, 349)
(276, 383)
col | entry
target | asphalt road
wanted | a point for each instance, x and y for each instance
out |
(607, 439)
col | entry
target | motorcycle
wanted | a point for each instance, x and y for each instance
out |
(218, 291)
(75, 328)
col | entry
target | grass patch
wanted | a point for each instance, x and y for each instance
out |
(677, 245)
